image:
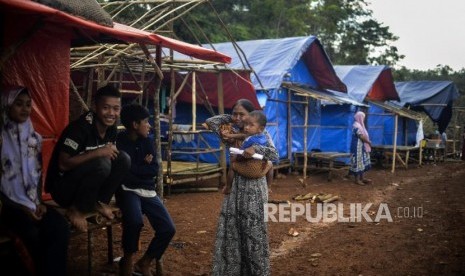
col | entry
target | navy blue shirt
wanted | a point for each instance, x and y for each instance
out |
(141, 175)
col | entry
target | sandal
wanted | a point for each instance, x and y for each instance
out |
(361, 183)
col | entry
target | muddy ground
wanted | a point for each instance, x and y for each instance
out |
(426, 235)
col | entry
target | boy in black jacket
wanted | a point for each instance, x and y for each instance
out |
(137, 194)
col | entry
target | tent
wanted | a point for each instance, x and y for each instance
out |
(374, 85)
(435, 98)
(36, 41)
(302, 63)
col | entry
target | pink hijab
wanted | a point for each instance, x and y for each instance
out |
(359, 124)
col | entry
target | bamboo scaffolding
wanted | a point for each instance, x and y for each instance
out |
(117, 63)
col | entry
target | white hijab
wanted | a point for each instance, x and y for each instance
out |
(20, 156)
(359, 123)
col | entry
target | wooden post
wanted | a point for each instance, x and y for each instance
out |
(156, 113)
(221, 111)
(420, 154)
(170, 127)
(305, 142)
(194, 102)
(289, 125)
(394, 150)
(90, 85)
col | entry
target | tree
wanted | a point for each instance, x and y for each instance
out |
(345, 27)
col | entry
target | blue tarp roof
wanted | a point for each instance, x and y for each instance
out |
(272, 59)
(433, 97)
(360, 81)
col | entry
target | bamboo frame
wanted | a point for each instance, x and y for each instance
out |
(130, 60)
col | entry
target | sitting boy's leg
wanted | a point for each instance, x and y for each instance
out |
(132, 222)
(78, 189)
(119, 167)
(161, 222)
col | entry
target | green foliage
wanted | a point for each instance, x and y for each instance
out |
(345, 27)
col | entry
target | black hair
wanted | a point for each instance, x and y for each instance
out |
(246, 104)
(133, 113)
(107, 91)
(260, 116)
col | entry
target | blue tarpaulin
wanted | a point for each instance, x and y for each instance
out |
(299, 60)
(368, 82)
(435, 98)
(275, 60)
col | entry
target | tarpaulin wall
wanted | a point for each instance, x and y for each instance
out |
(42, 65)
(381, 125)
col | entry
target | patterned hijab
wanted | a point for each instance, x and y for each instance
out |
(20, 156)
(359, 123)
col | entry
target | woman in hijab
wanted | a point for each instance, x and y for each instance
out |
(44, 232)
(360, 149)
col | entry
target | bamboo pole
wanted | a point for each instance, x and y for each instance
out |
(289, 127)
(90, 84)
(394, 151)
(194, 101)
(221, 111)
(170, 127)
(156, 111)
(305, 144)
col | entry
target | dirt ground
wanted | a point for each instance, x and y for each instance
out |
(426, 236)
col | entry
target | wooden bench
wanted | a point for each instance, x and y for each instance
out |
(324, 161)
(402, 153)
(95, 222)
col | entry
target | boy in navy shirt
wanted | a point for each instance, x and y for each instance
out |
(137, 195)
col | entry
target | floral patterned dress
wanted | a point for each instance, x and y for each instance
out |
(360, 161)
(241, 245)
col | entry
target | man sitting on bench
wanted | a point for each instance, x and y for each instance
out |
(86, 168)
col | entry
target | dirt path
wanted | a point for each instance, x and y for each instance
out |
(428, 245)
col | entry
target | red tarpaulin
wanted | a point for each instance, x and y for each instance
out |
(41, 57)
(236, 85)
(87, 29)
(383, 89)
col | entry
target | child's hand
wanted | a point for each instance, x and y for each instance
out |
(226, 134)
(248, 152)
(148, 158)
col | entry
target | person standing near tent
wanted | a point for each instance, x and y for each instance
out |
(360, 149)
(44, 231)
(137, 195)
(86, 168)
(241, 246)
(230, 129)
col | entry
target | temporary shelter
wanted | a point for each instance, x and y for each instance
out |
(36, 42)
(374, 85)
(292, 78)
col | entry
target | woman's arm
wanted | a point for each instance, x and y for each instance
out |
(214, 123)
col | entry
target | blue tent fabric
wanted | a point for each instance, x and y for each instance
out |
(435, 98)
(274, 59)
(361, 78)
(296, 60)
